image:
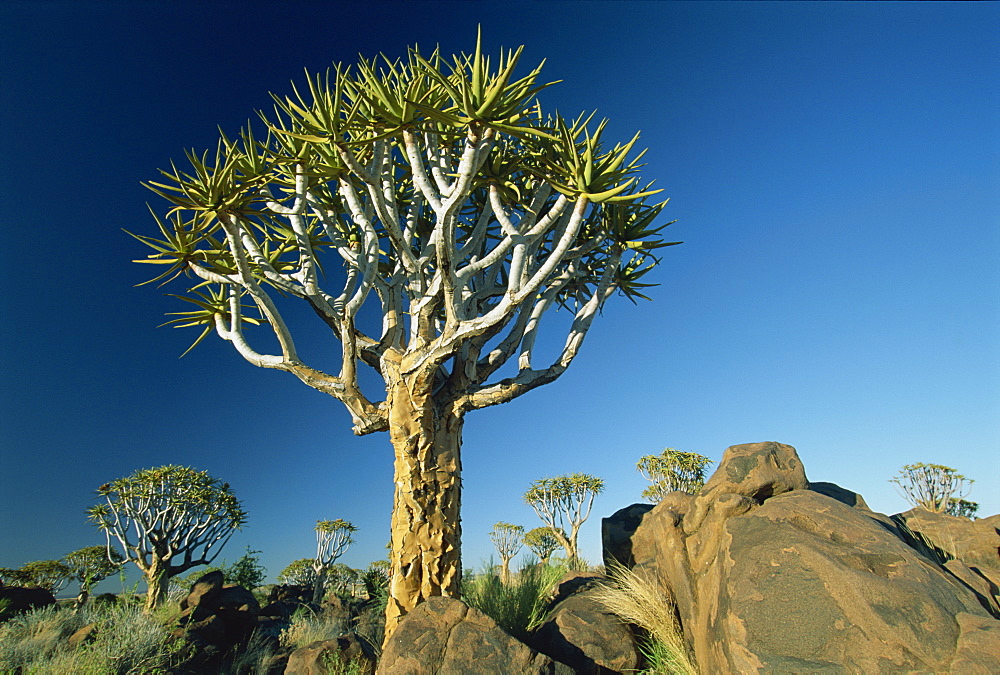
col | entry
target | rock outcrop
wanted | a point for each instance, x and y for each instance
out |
(975, 542)
(581, 633)
(18, 599)
(217, 615)
(772, 576)
(444, 635)
(318, 657)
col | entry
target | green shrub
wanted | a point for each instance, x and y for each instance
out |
(125, 640)
(519, 606)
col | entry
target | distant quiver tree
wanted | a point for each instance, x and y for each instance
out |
(429, 214)
(298, 573)
(52, 575)
(542, 541)
(564, 503)
(672, 470)
(333, 537)
(936, 487)
(91, 565)
(167, 520)
(508, 539)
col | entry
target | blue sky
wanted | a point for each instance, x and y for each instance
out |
(833, 168)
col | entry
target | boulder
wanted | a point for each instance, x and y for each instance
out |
(239, 609)
(85, 635)
(316, 658)
(581, 633)
(20, 599)
(444, 635)
(769, 575)
(203, 590)
(217, 614)
(616, 533)
(974, 542)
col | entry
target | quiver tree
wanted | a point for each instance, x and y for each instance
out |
(936, 488)
(298, 573)
(167, 520)
(963, 508)
(429, 214)
(563, 503)
(52, 575)
(542, 541)
(672, 470)
(333, 537)
(376, 578)
(507, 539)
(91, 565)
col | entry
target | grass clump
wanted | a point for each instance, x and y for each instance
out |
(640, 600)
(308, 626)
(519, 606)
(124, 640)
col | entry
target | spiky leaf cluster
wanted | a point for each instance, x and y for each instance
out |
(333, 537)
(435, 190)
(564, 503)
(92, 564)
(52, 575)
(298, 573)
(672, 470)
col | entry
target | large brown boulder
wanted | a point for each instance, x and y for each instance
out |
(617, 530)
(770, 576)
(318, 657)
(204, 590)
(18, 599)
(216, 614)
(444, 635)
(974, 542)
(581, 633)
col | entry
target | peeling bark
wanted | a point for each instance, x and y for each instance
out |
(426, 525)
(158, 582)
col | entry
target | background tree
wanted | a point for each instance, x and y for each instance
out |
(52, 575)
(343, 579)
(563, 503)
(246, 571)
(508, 539)
(298, 573)
(439, 197)
(91, 565)
(333, 537)
(542, 541)
(963, 508)
(672, 470)
(933, 487)
(13, 577)
(376, 578)
(167, 519)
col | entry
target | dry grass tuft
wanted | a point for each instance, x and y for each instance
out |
(639, 599)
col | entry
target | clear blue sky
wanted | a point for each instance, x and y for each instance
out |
(834, 170)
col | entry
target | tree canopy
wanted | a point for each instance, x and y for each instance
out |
(672, 470)
(167, 520)
(441, 188)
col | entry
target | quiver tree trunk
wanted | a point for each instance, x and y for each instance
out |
(158, 582)
(426, 527)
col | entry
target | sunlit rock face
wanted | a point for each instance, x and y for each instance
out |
(771, 575)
